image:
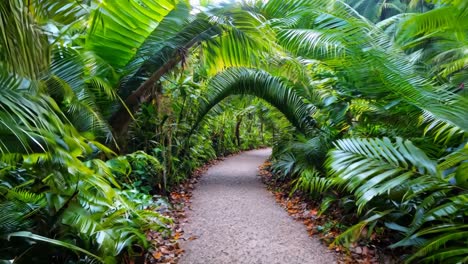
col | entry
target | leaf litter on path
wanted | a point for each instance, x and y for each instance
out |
(299, 208)
(165, 246)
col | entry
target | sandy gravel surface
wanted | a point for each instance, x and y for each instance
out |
(237, 220)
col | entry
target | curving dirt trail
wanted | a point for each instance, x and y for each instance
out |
(236, 220)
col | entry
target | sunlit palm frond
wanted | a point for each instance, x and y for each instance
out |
(441, 131)
(119, 29)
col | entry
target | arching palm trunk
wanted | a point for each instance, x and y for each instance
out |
(194, 33)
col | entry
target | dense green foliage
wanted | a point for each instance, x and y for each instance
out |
(391, 160)
(105, 103)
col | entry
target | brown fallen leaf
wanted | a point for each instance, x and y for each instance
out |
(192, 238)
(313, 212)
(157, 255)
(165, 250)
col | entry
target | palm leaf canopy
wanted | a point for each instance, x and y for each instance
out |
(244, 81)
(363, 54)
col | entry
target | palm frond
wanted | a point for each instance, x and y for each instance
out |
(260, 84)
(23, 44)
(442, 18)
(446, 245)
(312, 183)
(123, 27)
(29, 235)
(440, 130)
(14, 217)
(353, 233)
(245, 40)
(20, 109)
(371, 167)
(347, 42)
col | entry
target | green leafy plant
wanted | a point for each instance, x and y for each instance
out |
(139, 171)
(399, 179)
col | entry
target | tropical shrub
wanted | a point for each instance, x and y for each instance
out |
(139, 171)
(74, 206)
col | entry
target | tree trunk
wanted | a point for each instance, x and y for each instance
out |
(238, 124)
(122, 118)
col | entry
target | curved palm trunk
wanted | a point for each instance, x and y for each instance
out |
(122, 118)
(195, 32)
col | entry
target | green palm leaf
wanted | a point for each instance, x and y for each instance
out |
(245, 81)
(29, 235)
(446, 245)
(367, 56)
(23, 44)
(371, 167)
(312, 183)
(120, 28)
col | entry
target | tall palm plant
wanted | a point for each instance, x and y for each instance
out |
(223, 36)
(51, 132)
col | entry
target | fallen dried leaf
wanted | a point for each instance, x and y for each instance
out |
(157, 255)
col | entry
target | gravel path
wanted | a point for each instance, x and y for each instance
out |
(237, 220)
